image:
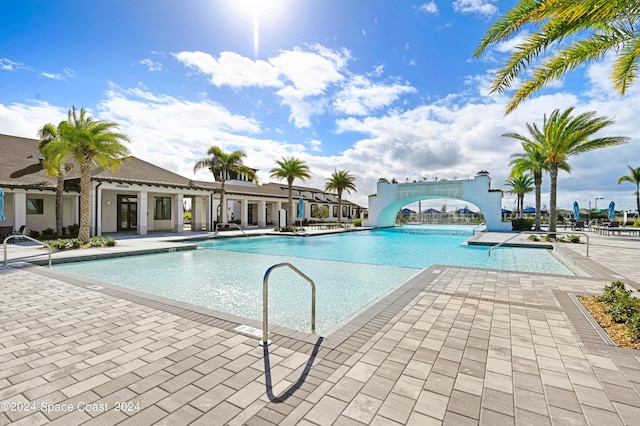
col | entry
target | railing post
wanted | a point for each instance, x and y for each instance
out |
(265, 301)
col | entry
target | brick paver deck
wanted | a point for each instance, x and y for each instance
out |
(451, 346)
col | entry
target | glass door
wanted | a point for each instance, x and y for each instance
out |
(127, 213)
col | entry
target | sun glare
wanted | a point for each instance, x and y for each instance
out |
(259, 10)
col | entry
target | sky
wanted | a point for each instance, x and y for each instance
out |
(383, 88)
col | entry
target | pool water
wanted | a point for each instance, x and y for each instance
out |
(350, 270)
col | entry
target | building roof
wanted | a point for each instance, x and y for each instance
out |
(20, 166)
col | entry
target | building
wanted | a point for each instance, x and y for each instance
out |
(140, 197)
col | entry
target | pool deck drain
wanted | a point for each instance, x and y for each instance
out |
(463, 346)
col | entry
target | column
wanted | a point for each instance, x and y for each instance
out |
(19, 209)
(262, 213)
(142, 213)
(210, 209)
(244, 213)
(179, 213)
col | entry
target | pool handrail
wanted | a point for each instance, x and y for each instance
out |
(215, 234)
(474, 229)
(541, 232)
(27, 238)
(265, 300)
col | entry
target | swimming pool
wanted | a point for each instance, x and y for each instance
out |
(350, 271)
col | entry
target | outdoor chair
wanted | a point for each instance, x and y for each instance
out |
(578, 225)
(20, 232)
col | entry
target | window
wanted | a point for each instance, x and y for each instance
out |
(163, 208)
(35, 206)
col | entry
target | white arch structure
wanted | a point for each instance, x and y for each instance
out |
(391, 197)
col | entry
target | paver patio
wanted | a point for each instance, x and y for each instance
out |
(452, 346)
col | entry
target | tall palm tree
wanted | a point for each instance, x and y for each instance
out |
(520, 185)
(576, 31)
(89, 142)
(562, 136)
(531, 160)
(340, 180)
(220, 163)
(633, 177)
(291, 168)
(55, 168)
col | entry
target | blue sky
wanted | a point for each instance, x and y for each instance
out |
(383, 89)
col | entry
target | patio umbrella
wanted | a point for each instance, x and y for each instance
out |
(576, 211)
(612, 210)
(406, 210)
(2, 218)
(506, 211)
(464, 210)
(529, 210)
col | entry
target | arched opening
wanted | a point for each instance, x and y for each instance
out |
(392, 197)
(440, 211)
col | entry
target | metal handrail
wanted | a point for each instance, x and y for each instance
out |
(265, 301)
(474, 229)
(236, 227)
(540, 232)
(28, 238)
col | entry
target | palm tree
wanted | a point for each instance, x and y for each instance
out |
(340, 181)
(220, 164)
(532, 160)
(589, 29)
(520, 185)
(563, 136)
(633, 177)
(55, 168)
(89, 142)
(291, 168)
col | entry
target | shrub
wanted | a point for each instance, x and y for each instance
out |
(34, 234)
(574, 238)
(59, 244)
(48, 233)
(357, 222)
(110, 242)
(521, 224)
(96, 242)
(622, 307)
(533, 238)
(75, 243)
(73, 230)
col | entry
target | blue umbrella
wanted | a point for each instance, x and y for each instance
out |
(612, 210)
(529, 210)
(301, 209)
(576, 211)
(2, 218)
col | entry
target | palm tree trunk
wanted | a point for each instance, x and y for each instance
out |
(290, 218)
(85, 203)
(339, 206)
(538, 183)
(59, 191)
(553, 174)
(638, 199)
(223, 207)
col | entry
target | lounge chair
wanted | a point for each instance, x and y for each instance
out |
(578, 225)
(20, 232)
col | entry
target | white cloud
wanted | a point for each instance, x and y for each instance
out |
(480, 7)
(231, 69)
(429, 8)
(151, 65)
(67, 73)
(311, 72)
(361, 97)
(9, 65)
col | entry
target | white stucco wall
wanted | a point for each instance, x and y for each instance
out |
(391, 197)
